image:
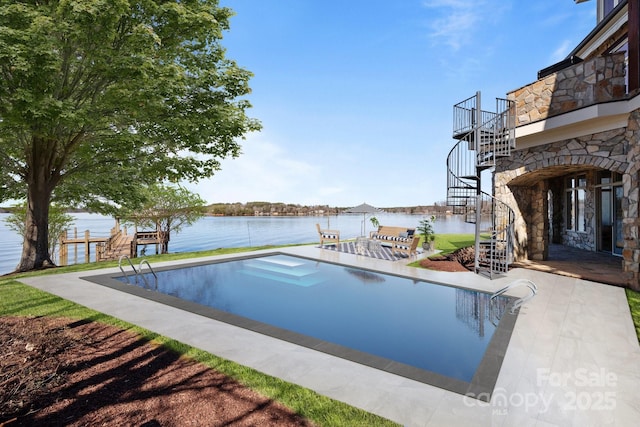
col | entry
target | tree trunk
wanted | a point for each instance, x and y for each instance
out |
(164, 246)
(165, 230)
(35, 246)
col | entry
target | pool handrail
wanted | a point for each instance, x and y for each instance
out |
(144, 278)
(518, 303)
(122, 269)
(494, 313)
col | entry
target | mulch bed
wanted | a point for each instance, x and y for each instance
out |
(460, 260)
(442, 265)
(57, 371)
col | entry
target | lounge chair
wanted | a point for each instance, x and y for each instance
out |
(328, 236)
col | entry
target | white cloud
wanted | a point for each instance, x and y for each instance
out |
(269, 171)
(308, 173)
(561, 51)
(457, 23)
(262, 172)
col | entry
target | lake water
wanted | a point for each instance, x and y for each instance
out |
(228, 232)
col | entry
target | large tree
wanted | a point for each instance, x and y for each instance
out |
(166, 208)
(99, 98)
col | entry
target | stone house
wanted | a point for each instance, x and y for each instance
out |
(573, 177)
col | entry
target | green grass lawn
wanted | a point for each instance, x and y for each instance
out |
(633, 298)
(448, 243)
(17, 299)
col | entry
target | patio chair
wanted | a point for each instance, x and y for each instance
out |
(407, 248)
(328, 236)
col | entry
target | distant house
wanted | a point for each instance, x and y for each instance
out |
(573, 176)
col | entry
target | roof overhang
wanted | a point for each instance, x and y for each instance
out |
(603, 31)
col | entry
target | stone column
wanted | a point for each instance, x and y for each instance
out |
(631, 189)
(532, 207)
(509, 195)
(539, 223)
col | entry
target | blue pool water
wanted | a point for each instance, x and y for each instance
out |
(432, 327)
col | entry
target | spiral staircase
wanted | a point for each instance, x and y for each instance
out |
(482, 138)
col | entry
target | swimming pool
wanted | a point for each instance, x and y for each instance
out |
(437, 334)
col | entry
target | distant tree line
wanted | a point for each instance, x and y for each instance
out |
(290, 209)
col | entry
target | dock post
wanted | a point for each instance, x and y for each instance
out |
(75, 245)
(87, 247)
(63, 248)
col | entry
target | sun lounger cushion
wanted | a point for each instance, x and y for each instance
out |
(390, 238)
(330, 236)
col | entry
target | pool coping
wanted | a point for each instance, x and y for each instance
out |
(480, 387)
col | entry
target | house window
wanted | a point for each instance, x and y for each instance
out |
(575, 197)
(605, 7)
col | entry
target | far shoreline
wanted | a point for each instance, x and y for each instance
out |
(259, 209)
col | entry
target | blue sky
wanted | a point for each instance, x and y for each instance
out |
(356, 97)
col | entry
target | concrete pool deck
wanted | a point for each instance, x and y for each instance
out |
(573, 358)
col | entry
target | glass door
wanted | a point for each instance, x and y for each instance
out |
(610, 213)
(618, 241)
(605, 243)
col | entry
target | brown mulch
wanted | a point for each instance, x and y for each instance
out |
(460, 260)
(57, 371)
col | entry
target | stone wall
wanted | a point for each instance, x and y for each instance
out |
(597, 80)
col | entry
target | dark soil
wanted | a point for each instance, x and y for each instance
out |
(460, 260)
(56, 371)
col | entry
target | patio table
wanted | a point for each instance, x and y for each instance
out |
(361, 244)
(364, 243)
(374, 245)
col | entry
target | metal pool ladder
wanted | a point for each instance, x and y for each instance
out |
(518, 303)
(138, 272)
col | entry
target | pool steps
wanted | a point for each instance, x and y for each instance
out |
(291, 272)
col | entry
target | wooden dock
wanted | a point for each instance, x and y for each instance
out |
(110, 248)
(118, 246)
